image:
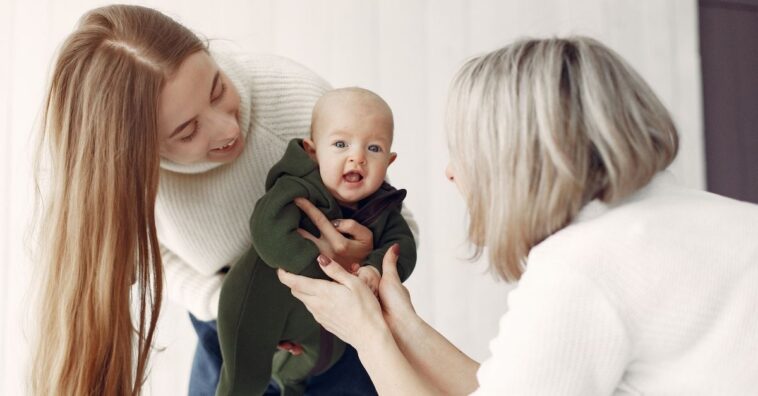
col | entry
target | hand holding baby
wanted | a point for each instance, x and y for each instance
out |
(370, 276)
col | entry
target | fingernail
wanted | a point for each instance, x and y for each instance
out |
(323, 260)
(336, 223)
(395, 249)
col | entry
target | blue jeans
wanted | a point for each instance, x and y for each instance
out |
(347, 377)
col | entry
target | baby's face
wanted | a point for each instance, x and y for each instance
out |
(351, 144)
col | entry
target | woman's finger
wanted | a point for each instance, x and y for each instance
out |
(351, 227)
(302, 284)
(307, 299)
(319, 219)
(336, 271)
(307, 235)
(389, 263)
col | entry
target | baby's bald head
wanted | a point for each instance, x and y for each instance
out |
(351, 141)
(353, 99)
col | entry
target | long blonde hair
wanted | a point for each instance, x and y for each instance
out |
(97, 235)
(541, 127)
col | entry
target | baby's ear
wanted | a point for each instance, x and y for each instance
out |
(393, 157)
(310, 148)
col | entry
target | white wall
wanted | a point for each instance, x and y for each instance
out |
(407, 51)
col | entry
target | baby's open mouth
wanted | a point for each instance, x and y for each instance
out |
(352, 177)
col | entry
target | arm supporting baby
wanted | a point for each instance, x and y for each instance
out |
(333, 242)
(401, 352)
(292, 248)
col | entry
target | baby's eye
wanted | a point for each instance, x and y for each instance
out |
(375, 148)
(340, 144)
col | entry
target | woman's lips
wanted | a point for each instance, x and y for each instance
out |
(226, 147)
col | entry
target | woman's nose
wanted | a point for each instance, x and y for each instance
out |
(223, 124)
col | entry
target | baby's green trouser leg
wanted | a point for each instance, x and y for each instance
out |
(252, 312)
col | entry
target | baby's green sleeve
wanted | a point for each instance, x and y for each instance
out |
(274, 224)
(396, 230)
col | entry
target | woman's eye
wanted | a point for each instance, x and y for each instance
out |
(375, 148)
(340, 144)
(220, 94)
(189, 137)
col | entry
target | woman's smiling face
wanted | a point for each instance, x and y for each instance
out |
(198, 114)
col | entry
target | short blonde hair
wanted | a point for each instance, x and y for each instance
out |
(541, 127)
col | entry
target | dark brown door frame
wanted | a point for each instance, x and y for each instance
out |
(729, 56)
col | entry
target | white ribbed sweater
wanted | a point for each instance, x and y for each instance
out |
(656, 295)
(202, 211)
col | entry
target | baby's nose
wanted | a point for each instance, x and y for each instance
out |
(358, 158)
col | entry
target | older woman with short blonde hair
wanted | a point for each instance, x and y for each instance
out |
(628, 283)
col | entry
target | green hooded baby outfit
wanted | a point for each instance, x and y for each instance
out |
(256, 311)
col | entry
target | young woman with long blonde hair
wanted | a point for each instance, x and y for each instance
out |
(157, 149)
(628, 283)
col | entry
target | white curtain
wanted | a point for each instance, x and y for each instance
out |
(407, 51)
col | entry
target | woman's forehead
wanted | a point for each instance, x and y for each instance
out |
(186, 92)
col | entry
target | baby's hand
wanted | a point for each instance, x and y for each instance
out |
(370, 276)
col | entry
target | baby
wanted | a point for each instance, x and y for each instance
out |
(341, 170)
(351, 137)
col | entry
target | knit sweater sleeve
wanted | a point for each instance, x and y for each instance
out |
(561, 335)
(197, 292)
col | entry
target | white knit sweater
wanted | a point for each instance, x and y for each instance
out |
(202, 210)
(656, 295)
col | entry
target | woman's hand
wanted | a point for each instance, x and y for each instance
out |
(347, 308)
(370, 276)
(333, 242)
(393, 295)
